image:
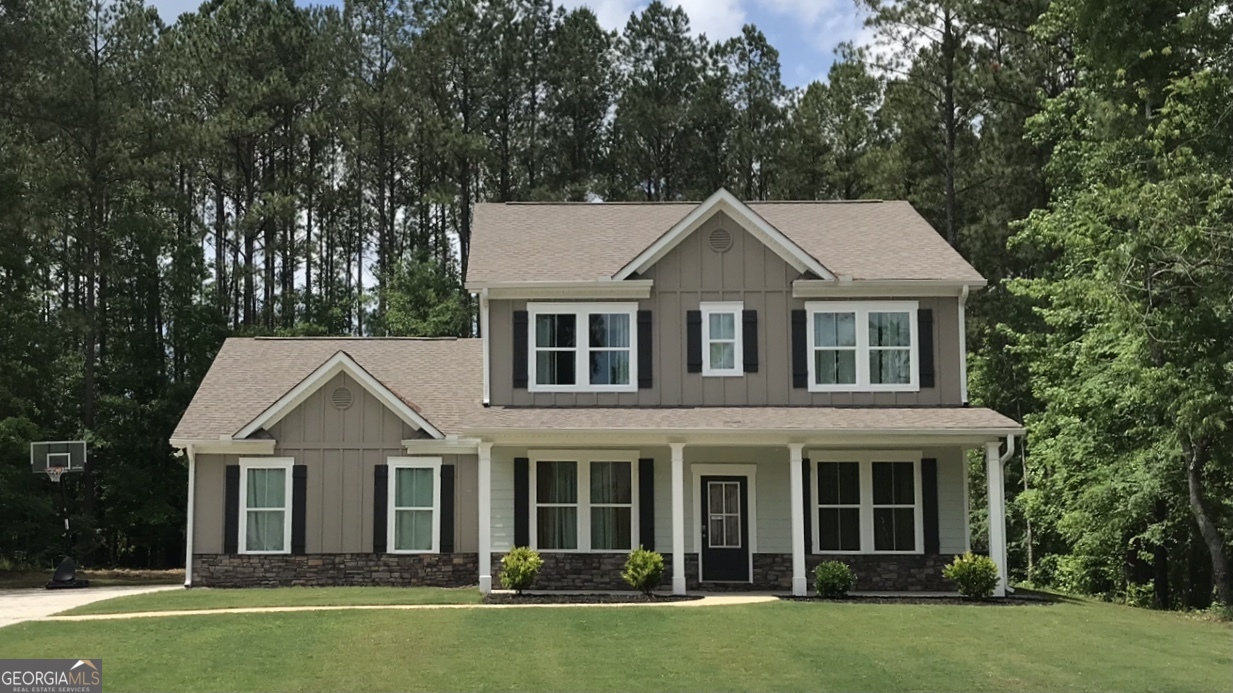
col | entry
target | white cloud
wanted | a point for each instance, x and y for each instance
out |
(718, 19)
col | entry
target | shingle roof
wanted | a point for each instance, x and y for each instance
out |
(440, 378)
(580, 241)
(831, 419)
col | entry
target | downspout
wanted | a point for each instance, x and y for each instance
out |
(963, 345)
(192, 494)
(1010, 452)
(483, 297)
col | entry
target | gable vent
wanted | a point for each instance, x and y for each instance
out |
(341, 398)
(720, 240)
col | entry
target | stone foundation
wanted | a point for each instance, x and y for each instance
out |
(771, 572)
(334, 569)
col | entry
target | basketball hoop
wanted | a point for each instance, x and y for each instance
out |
(54, 473)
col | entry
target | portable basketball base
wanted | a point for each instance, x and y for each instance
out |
(55, 459)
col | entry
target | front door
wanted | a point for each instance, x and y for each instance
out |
(725, 528)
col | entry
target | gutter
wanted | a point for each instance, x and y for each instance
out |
(191, 452)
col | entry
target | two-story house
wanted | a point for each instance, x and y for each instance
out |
(749, 389)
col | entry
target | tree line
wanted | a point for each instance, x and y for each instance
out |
(257, 167)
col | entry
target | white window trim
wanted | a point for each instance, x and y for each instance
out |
(583, 458)
(582, 365)
(866, 458)
(247, 463)
(736, 308)
(862, 309)
(396, 463)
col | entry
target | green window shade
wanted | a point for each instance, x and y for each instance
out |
(267, 488)
(413, 487)
(264, 530)
(413, 530)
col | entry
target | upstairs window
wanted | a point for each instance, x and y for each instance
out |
(582, 347)
(722, 339)
(863, 346)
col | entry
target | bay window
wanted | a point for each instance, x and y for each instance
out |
(855, 345)
(582, 347)
(584, 501)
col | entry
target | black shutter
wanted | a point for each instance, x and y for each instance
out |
(645, 356)
(299, 506)
(929, 507)
(231, 509)
(749, 338)
(924, 332)
(800, 364)
(693, 341)
(809, 510)
(646, 503)
(380, 507)
(522, 502)
(520, 349)
(447, 508)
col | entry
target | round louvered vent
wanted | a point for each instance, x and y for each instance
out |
(341, 398)
(720, 240)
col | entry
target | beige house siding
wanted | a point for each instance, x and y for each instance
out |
(340, 449)
(749, 272)
(772, 494)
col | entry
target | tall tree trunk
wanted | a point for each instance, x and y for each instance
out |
(1196, 459)
(948, 105)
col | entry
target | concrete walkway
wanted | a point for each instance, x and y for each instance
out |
(710, 600)
(34, 604)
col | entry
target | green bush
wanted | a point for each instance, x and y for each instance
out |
(519, 568)
(643, 570)
(833, 579)
(975, 576)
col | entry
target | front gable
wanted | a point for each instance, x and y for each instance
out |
(701, 263)
(329, 395)
(724, 202)
(342, 413)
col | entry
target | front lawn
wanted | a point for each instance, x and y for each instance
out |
(200, 598)
(1070, 646)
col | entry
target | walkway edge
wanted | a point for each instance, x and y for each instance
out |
(715, 600)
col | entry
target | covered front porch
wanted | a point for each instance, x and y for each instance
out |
(733, 510)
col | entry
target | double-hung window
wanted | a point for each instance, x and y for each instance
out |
(265, 505)
(863, 346)
(582, 347)
(722, 339)
(867, 502)
(584, 501)
(414, 503)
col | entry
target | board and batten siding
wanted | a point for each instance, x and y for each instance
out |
(340, 449)
(749, 272)
(772, 492)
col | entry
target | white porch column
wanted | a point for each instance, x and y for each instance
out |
(485, 517)
(800, 585)
(997, 513)
(678, 518)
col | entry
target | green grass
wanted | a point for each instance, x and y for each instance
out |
(1071, 646)
(178, 600)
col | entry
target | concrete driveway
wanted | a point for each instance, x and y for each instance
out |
(30, 604)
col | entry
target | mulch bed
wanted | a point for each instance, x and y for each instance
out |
(585, 598)
(1006, 601)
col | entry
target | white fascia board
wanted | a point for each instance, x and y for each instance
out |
(451, 445)
(724, 201)
(746, 437)
(338, 363)
(602, 288)
(262, 446)
(881, 288)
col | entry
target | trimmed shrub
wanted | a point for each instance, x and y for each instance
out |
(519, 568)
(975, 576)
(833, 579)
(643, 570)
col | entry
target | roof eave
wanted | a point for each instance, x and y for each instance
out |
(602, 287)
(848, 287)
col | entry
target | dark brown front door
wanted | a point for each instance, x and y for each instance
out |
(725, 529)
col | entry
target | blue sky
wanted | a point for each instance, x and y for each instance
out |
(804, 31)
